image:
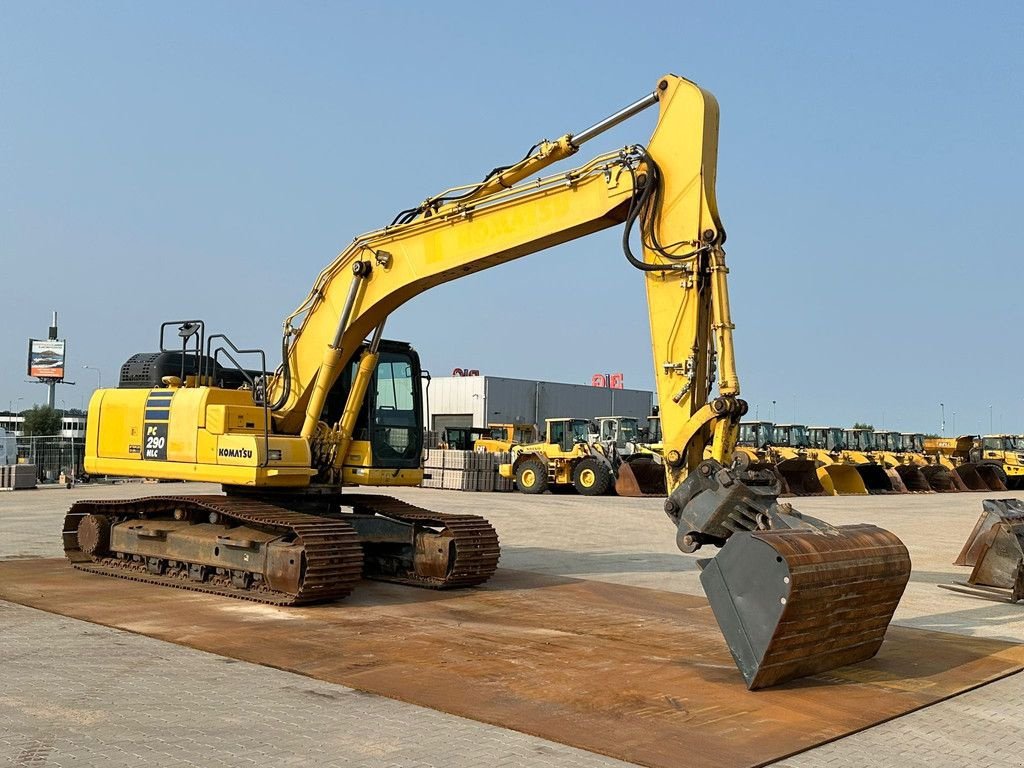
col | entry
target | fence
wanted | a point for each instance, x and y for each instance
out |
(52, 455)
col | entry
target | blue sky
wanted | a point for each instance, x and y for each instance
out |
(207, 159)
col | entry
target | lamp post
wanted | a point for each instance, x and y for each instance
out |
(943, 407)
(10, 404)
(990, 427)
(99, 375)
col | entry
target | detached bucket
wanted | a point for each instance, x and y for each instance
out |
(801, 477)
(876, 479)
(640, 476)
(968, 473)
(841, 480)
(795, 603)
(1001, 559)
(994, 512)
(913, 479)
(943, 480)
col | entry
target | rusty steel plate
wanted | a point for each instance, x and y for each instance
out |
(638, 674)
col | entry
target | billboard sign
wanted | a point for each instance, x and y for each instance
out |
(46, 358)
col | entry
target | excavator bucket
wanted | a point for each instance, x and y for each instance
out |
(942, 480)
(798, 602)
(877, 479)
(913, 479)
(800, 477)
(1007, 512)
(841, 480)
(640, 476)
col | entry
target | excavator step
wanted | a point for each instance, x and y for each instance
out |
(792, 603)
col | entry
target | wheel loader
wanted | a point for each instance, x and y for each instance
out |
(795, 461)
(566, 458)
(637, 465)
(861, 453)
(501, 437)
(837, 476)
(938, 471)
(964, 455)
(891, 454)
(344, 408)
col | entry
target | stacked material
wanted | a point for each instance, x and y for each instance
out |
(17, 477)
(464, 470)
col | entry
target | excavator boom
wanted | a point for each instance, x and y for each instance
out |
(824, 595)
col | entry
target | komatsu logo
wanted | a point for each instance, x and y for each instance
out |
(234, 453)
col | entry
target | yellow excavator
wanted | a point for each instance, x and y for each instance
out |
(793, 595)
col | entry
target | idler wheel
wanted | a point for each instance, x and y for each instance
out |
(94, 534)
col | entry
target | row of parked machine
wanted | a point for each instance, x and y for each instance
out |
(596, 456)
(837, 461)
(593, 456)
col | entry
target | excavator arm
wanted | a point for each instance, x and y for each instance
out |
(666, 189)
(792, 594)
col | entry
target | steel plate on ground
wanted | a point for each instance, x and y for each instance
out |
(639, 674)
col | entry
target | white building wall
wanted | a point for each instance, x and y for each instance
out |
(449, 395)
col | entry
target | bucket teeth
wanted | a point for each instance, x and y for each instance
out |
(800, 602)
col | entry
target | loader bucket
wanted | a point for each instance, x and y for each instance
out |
(641, 476)
(913, 479)
(1001, 559)
(973, 481)
(841, 480)
(991, 477)
(800, 476)
(876, 479)
(1009, 512)
(896, 480)
(942, 480)
(792, 603)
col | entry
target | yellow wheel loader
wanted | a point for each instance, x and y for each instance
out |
(838, 477)
(860, 452)
(795, 460)
(344, 408)
(566, 458)
(890, 453)
(939, 472)
(963, 454)
(1005, 455)
(502, 437)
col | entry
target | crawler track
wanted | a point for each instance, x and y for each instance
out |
(475, 541)
(333, 554)
(331, 550)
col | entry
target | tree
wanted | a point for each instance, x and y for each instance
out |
(42, 420)
(859, 425)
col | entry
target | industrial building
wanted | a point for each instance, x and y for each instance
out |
(475, 401)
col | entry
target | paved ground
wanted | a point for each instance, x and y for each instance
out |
(72, 692)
